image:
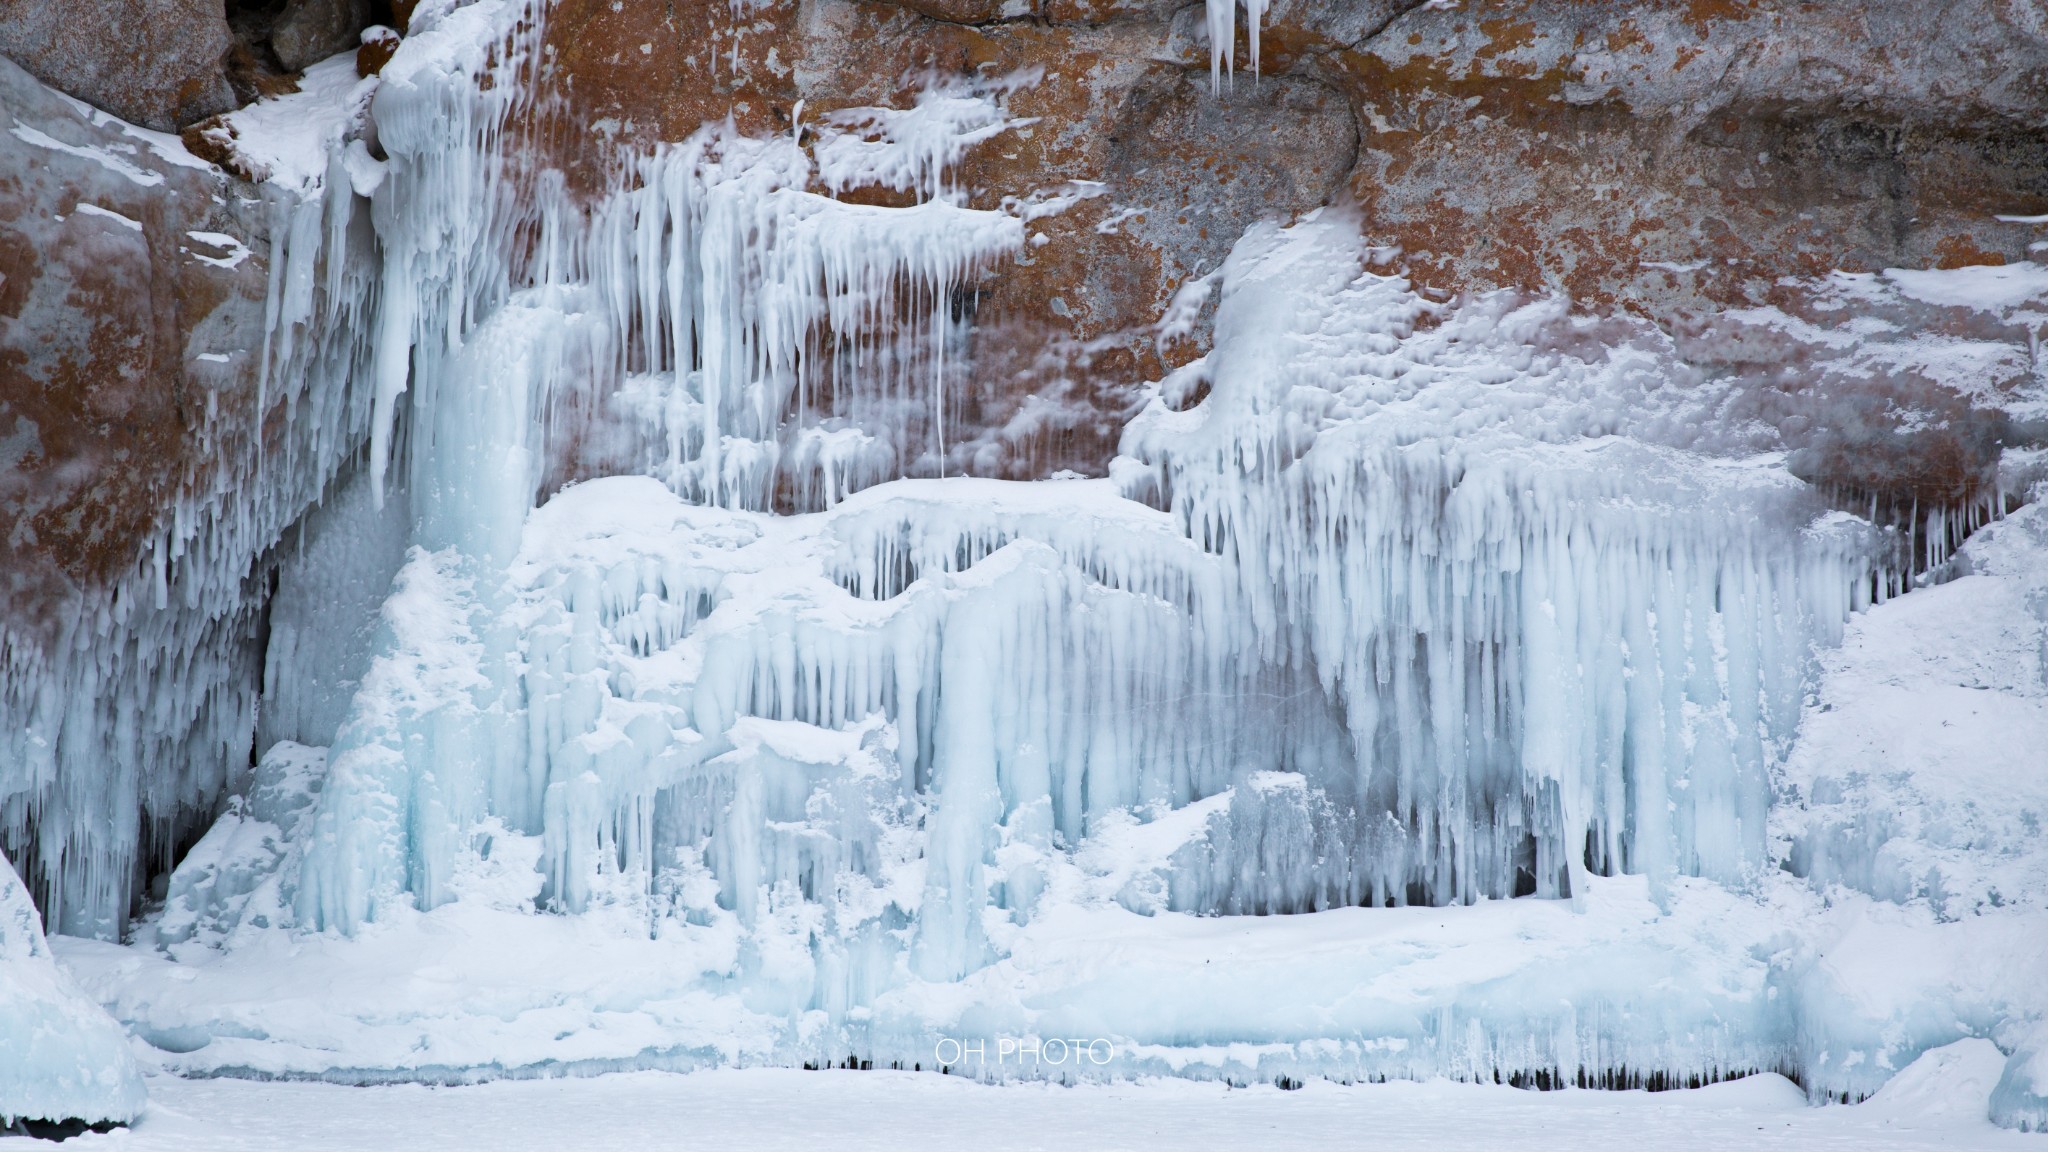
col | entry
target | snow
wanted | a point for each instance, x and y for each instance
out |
(769, 1108)
(1984, 287)
(1945, 1085)
(103, 157)
(287, 140)
(235, 250)
(109, 214)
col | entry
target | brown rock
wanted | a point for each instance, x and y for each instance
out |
(956, 11)
(378, 46)
(157, 63)
(104, 296)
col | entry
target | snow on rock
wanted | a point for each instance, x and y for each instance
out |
(288, 141)
(61, 1056)
(1984, 287)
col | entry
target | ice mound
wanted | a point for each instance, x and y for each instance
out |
(2020, 1099)
(61, 1056)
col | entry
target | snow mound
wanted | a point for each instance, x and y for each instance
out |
(1943, 1086)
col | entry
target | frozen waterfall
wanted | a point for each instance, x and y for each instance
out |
(1390, 610)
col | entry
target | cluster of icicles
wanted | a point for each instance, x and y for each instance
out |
(1502, 653)
(127, 715)
(1222, 22)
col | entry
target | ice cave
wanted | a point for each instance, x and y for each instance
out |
(1467, 556)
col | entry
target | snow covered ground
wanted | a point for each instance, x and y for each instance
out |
(1938, 1103)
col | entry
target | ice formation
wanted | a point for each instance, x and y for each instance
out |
(776, 744)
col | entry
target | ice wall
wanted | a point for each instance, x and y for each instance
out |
(1566, 630)
(787, 348)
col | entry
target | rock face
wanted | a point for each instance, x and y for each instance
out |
(310, 31)
(133, 290)
(1670, 162)
(157, 63)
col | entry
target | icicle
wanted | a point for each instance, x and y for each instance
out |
(1222, 21)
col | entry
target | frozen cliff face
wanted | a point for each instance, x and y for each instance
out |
(1636, 162)
(179, 365)
(1422, 605)
(651, 688)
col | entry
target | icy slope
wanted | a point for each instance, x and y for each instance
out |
(61, 1056)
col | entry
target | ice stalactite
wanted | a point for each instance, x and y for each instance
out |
(770, 337)
(791, 348)
(1221, 16)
